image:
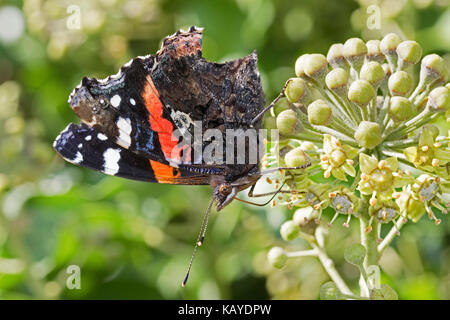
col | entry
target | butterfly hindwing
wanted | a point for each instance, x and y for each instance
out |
(86, 147)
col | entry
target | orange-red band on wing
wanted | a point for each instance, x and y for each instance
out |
(164, 173)
(158, 123)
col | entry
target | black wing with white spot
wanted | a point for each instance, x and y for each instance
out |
(86, 147)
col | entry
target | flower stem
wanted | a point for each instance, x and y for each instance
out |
(329, 267)
(368, 237)
(391, 235)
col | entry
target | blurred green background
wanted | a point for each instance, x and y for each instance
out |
(133, 240)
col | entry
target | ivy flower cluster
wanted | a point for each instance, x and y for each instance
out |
(377, 140)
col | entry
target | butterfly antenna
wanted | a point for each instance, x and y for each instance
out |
(199, 242)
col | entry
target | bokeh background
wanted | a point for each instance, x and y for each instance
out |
(133, 240)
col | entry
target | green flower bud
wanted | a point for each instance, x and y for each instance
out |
(295, 90)
(409, 53)
(439, 99)
(303, 216)
(368, 134)
(389, 44)
(384, 293)
(315, 66)
(361, 92)
(354, 51)
(329, 291)
(400, 83)
(288, 122)
(289, 230)
(432, 68)
(373, 73)
(355, 254)
(281, 105)
(296, 158)
(401, 109)
(335, 56)
(373, 51)
(277, 257)
(299, 65)
(319, 112)
(337, 80)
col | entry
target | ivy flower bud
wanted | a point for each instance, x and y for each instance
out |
(289, 230)
(432, 69)
(361, 92)
(315, 66)
(296, 158)
(299, 65)
(288, 122)
(355, 254)
(439, 99)
(296, 90)
(400, 83)
(409, 53)
(368, 134)
(373, 51)
(277, 257)
(388, 46)
(337, 80)
(319, 112)
(303, 216)
(373, 73)
(355, 51)
(389, 43)
(335, 56)
(401, 109)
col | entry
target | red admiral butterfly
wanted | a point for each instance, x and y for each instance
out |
(138, 124)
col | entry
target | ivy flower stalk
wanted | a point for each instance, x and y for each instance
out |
(375, 147)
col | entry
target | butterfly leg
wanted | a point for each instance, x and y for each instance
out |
(270, 105)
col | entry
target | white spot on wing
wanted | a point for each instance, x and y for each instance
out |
(115, 101)
(80, 146)
(124, 138)
(132, 101)
(111, 159)
(102, 137)
(88, 138)
(78, 158)
(124, 125)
